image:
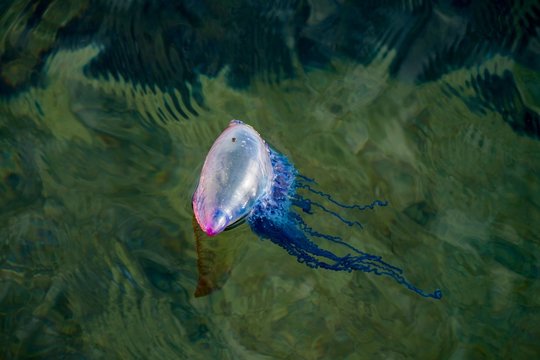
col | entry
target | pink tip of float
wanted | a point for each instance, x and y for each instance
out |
(212, 223)
(211, 232)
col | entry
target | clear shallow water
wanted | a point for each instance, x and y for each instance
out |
(107, 113)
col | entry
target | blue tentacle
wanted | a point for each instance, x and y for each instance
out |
(273, 219)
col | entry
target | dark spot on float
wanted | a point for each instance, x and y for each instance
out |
(233, 139)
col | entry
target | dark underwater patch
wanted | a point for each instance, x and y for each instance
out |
(500, 93)
(168, 45)
(490, 27)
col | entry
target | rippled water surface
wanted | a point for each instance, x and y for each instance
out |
(108, 108)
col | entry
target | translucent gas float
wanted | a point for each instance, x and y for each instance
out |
(243, 178)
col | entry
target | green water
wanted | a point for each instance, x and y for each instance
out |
(98, 257)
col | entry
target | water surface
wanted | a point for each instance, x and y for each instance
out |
(107, 110)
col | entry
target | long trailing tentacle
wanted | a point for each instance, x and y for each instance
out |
(364, 261)
(291, 235)
(306, 204)
(303, 182)
(274, 219)
(305, 185)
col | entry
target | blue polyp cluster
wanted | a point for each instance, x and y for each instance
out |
(274, 218)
